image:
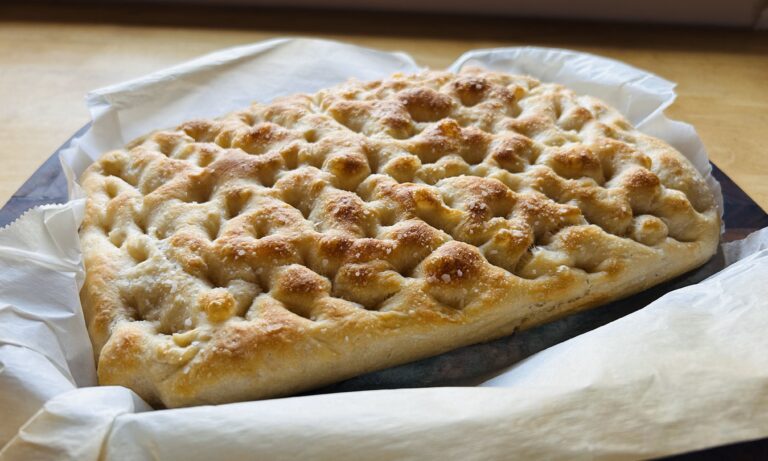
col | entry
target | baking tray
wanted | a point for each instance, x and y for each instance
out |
(474, 364)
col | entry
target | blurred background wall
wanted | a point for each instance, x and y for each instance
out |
(734, 13)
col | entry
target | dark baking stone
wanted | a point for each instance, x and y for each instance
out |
(474, 364)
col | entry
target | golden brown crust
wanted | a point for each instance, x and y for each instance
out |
(291, 245)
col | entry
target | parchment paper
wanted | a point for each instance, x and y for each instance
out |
(687, 372)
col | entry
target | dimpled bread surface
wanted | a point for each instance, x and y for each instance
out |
(302, 242)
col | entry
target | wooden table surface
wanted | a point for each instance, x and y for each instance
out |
(50, 56)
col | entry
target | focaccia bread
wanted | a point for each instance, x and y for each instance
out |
(299, 243)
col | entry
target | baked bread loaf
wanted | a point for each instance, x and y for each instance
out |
(299, 243)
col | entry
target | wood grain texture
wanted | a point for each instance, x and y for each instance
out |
(51, 56)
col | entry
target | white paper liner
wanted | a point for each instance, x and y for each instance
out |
(684, 373)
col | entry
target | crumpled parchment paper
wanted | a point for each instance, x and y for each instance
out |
(686, 372)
